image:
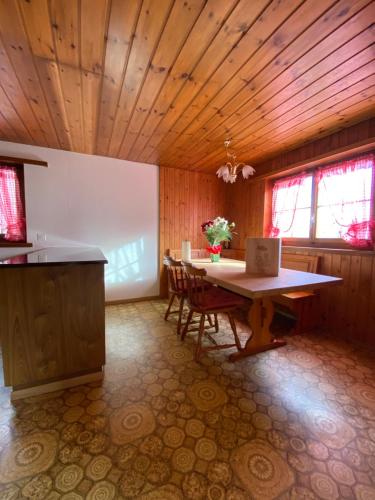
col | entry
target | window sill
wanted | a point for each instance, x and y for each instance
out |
(345, 251)
(12, 244)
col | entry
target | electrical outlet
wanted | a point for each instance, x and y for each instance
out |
(41, 236)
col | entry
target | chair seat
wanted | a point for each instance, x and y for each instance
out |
(183, 288)
(216, 298)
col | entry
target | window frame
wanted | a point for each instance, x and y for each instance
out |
(21, 179)
(313, 241)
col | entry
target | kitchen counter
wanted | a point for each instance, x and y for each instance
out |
(52, 319)
(56, 255)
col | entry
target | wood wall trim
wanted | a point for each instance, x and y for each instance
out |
(130, 301)
(58, 385)
(23, 161)
(340, 153)
(341, 251)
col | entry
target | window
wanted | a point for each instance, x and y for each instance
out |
(12, 205)
(327, 203)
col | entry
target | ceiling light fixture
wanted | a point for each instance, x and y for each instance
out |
(230, 170)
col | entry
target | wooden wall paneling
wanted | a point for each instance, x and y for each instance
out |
(362, 109)
(285, 110)
(186, 200)
(341, 140)
(180, 21)
(11, 117)
(7, 130)
(94, 27)
(240, 116)
(122, 22)
(236, 92)
(348, 311)
(203, 32)
(49, 77)
(362, 315)
(357, 92)
(39, 31)
(91, 83)
(239, 77)
(65, 18)
(206, 106)
(18, 50)
(151, 21)
(371, 316)
(167, 81)
(226, 39)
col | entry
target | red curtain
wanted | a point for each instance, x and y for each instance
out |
(285, 195)
(12, 211)
(345, 194)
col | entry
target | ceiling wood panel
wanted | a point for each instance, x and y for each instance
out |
(167, 81)
(299, 79)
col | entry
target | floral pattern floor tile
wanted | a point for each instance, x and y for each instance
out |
(294, 423)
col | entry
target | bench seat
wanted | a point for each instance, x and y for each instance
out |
(301, 304)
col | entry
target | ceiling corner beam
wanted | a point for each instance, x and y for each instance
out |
(30, 161)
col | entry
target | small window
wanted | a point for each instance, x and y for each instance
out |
(12, 205)
(334, 202)
(343, 197)
(291, 206)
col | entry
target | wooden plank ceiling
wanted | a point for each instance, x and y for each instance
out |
(166, 81)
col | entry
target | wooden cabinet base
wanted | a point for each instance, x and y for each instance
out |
(52, 323)
(58, 385)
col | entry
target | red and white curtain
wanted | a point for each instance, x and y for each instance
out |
(12, 212)
(286, 197)
(345, 193)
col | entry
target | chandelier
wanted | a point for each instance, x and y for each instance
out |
(230, 170)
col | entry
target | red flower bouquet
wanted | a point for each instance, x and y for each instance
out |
(217, 231)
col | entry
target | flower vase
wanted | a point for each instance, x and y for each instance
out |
(215, 257)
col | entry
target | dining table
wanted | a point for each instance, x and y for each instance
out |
(231, 275)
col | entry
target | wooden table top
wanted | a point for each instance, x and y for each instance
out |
(230, 274)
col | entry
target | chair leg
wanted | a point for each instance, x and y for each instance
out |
(184, 331)
(169, 306)
(182, 300)
(216, 323)
(234, 330)
(209, 320)
(200, 336)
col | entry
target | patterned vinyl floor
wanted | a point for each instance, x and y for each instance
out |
(294, 423)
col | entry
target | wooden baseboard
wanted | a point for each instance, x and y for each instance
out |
(59, 385)
(129, 301)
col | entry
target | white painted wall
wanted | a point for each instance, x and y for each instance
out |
(92, 200)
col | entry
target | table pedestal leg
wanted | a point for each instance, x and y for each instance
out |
(260, 318)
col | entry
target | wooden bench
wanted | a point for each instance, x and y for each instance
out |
(301, 304)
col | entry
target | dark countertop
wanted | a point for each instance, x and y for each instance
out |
(56, 256)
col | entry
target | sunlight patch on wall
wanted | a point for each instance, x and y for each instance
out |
(124, 263)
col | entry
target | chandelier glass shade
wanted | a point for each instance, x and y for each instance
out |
(230, 170)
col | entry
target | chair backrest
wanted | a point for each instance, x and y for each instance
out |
(196, 253)
(196, 284)
(299, 262)
(176, 275)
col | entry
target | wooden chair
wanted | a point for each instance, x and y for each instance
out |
(206, 301)
(176, 288)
